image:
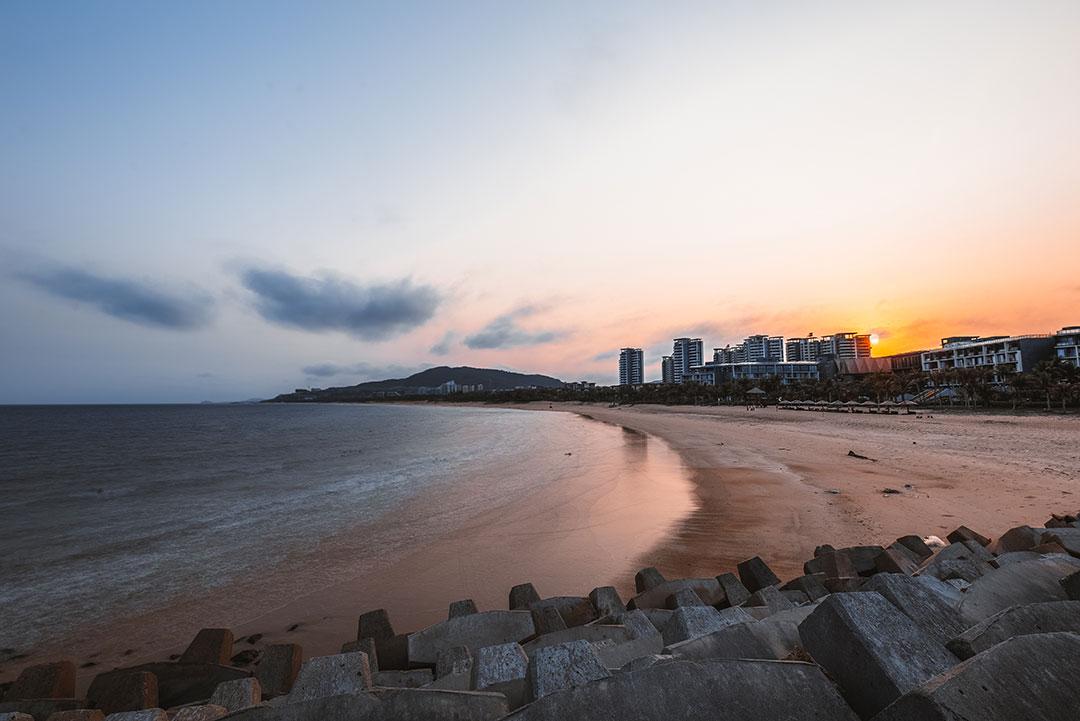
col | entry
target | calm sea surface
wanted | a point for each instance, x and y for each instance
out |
(109, 511)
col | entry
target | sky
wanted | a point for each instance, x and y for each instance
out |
(222, 201)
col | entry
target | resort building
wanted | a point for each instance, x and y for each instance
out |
(786, 371)
(1013, 354)
(841, 345)
(1067, 345)
(631, 367)
(667, 369)
(686, 353)
(752, 349)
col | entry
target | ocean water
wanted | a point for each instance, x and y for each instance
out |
(113, 511)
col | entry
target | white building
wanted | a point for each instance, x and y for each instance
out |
(631, 367)
(1067, 345)
(1013, 354)
(841, 345)
(686, 353)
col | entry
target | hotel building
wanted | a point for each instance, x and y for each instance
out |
(1015, 354)
(841, 345)
(667, 369)
(1067, 345)
(686, 353)
(631, 367)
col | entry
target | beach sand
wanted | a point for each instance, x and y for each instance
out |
(776, 483)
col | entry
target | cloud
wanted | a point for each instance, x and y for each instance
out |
(606, 355)
(443, 346)
(504, 332)
(359, 370)
(374, 311)
(130, 300)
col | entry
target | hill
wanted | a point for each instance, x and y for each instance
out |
(492, 379)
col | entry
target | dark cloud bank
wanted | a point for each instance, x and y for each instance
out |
(371, 312)
(126, 299)
(504, 332)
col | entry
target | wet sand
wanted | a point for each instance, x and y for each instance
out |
(777, 483)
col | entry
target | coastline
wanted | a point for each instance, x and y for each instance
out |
(773, 483)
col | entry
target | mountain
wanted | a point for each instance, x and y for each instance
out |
(491, 379)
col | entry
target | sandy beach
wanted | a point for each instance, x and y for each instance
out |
(775, 483)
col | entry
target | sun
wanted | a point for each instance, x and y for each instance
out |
(874, 339)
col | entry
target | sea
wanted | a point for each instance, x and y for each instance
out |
(111, 512)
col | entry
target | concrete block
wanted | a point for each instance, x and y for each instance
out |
(1067, 538)
(117, 691)
(499, 664)
(643, 639)
(522, 595)
(874, 651)
(1020, 538)
(567, 665)
(708, 589)
(15, 716)
(238, 694)
(416, 678)
(280, 665)
(1071, 585)
(594, 633)
(755, 574)
(178, 683)
(735, 593)
(41, 708)
(45, 680)
(948, 593)
(694, 621)
(487, 628)
(813, 585)
(770, 598)
(546, 619)
(929, 610)
(375, 624)
(322, 676)
(82, 714)
(775, 637)
(201, 712)
(897, 559)
(462, 608)
(575, 610)
(1028, 677)
(1017, 584)
(684, 597)
(151, 714)
(963, 533)
(916, 545)
(698, 691)
(457, 660)
(1015, 621)
(606, 600)
(210, 645)
(647, 578)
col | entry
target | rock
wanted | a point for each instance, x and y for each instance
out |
(375, 624)
(117, 691)
(897, 559)
(82, 714)
(201, 712)
(1071, 584)
(210, 645)
(770, 598)
(1067, 538)
(546, 619)
(694, 621)
(756, 575)
(462, 608)
(684, 597)
(607, 601)
(416, 678)
(812, 585)
(875, 652)
(281, 663)
(322, 676)
(698, 691)
(735, 593)
(647, 578)
(1017, 584)
(1014, 621)
(1020, 538)
(238, 694)
(487, 628)
(643, 639)
(456, 660)
(499, 664)
(926, 608)
(1027, 677)
(776, 637)
(45, 680)
(177, 683)
(707, 589)
(963, 533)
(564, 666)
(916, 545)
(522, 595)
(150, 714)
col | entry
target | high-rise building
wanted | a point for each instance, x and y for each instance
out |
(841, 345)
(1067, 344)
(763, 347)
(686, 353)
(667, 369)
(631, 367)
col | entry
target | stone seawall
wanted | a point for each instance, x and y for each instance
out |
(963, 628)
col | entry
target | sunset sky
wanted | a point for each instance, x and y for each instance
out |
(207, 200)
